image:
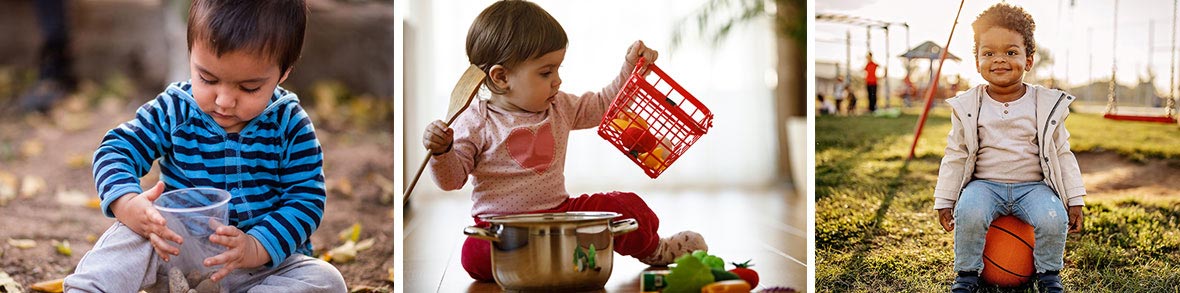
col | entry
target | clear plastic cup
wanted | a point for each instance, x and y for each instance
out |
(194, 214)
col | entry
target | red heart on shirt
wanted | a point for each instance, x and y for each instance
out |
(530, 149)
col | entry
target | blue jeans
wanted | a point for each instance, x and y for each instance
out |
(1035, 203)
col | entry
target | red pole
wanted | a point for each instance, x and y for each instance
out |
(934, 83)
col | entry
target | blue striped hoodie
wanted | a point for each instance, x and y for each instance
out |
(272, 168)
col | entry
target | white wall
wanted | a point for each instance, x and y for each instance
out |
(731, 79)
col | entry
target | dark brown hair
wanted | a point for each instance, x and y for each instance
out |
(1008, 17)
(510, 32)
(273, 28)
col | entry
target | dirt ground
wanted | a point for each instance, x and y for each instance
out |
(58, 148)
(1108, 174)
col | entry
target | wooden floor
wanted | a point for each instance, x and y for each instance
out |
(767, 226)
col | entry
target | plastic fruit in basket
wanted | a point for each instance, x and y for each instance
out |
(655, 159)
(638, 140)
(622, 124)
(631, 117)
(650, 112)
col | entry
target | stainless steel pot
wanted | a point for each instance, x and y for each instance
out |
(556, 252)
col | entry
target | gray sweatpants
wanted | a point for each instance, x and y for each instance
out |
(122, 261)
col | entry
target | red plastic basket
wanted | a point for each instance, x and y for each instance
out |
(653, 122)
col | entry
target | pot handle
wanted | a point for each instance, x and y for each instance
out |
(481, 233)
(623, 226)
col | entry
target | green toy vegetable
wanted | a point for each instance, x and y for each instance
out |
(723, 275)
(711, 261)
(688, 276)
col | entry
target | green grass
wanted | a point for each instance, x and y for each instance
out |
(1134, 140)
(876, 230)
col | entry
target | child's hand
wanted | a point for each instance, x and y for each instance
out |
(242, 251)
(637, 50)
(438, 137)
(1075, 219)
(136, 211)
(946, 217)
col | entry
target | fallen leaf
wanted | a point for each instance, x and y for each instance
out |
(342, 187)
(63, 247)
(75, 103)
(386, 185)
(78, 161)
(7, 284)
(51, 286)
(7, 187)
(31, 185)
(91, 238)
(7, 178)
(73, 198)
(347, 252)
(22, 243)
(94, 203)
(351, 234)
(327, 95)
(365, 111)
(343, 253)
(32, 148)
(73, 120)
(391, 274)
(366, 244)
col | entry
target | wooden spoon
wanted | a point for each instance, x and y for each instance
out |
(461, 96)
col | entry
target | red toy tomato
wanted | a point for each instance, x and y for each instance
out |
(743, 271)
(638, 140)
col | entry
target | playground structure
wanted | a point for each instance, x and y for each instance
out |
(1111, 111)
(869, 25)
(934, 83)
(930, 51)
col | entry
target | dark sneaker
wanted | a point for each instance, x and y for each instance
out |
(1049, 282)
(42, 96)
(966, 282)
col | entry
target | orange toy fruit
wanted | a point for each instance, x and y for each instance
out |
(656, 159)
(623, 124)
(632, 118)
(1008, 252)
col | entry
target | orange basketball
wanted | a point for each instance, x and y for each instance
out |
(1008, 252)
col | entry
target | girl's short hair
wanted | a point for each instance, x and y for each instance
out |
(1008, 17)
(510, 32)
(272, 28)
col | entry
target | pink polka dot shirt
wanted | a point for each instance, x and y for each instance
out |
(517, 160)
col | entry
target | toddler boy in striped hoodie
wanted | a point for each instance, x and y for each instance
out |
(230, 127)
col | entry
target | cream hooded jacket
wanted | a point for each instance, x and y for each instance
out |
(1058, 164)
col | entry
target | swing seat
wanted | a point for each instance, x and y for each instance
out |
(1154, 119)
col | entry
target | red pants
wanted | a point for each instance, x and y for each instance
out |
(477, 253)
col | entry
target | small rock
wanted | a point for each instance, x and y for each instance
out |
(176, 281)
(194, 277)
(208, 286)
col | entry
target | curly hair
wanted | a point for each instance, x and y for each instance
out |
(1008, 17)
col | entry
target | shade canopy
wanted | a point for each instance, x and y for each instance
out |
(927, 50)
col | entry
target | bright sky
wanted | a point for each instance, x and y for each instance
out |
(1063, 30)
